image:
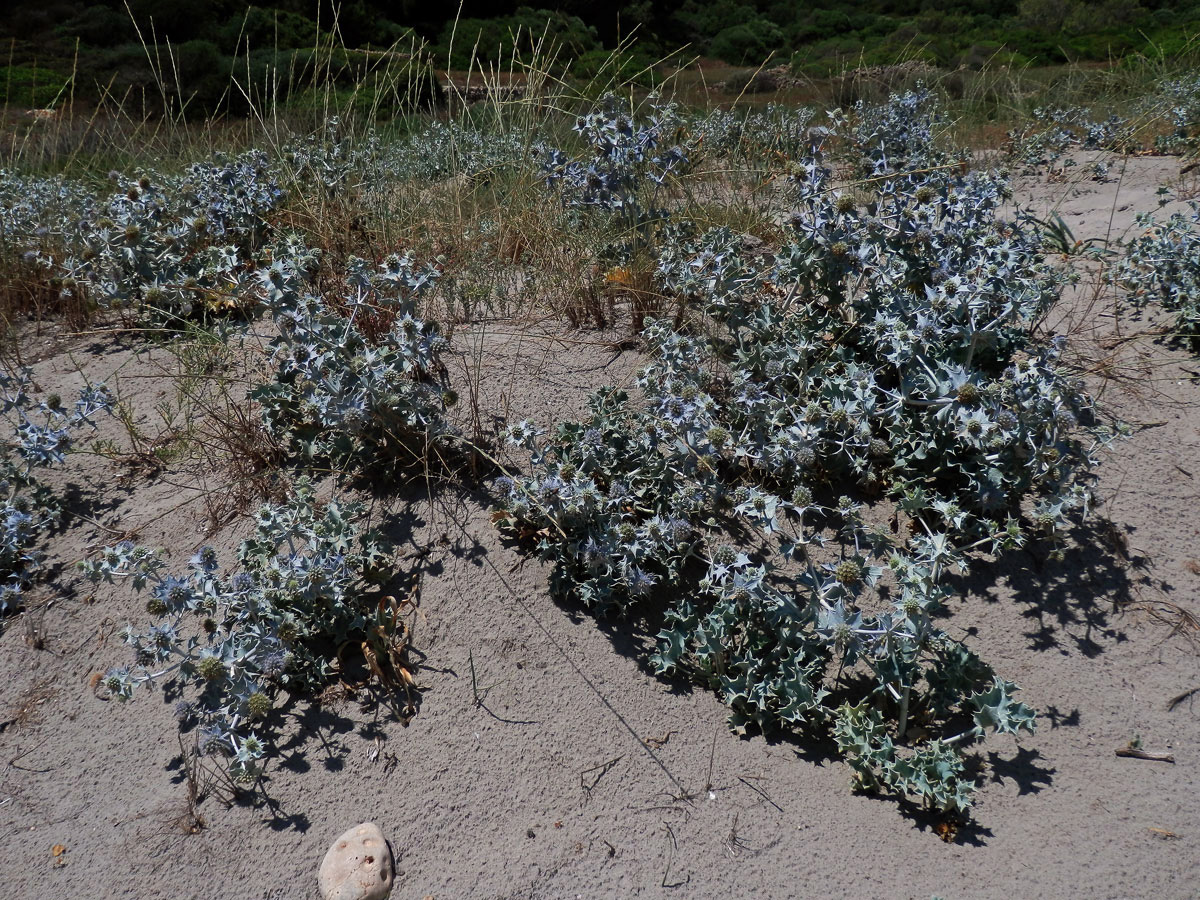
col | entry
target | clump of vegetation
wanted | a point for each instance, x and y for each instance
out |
(886, 351)
(44, 432)
(238, 647)
(359, 380)
(1044, 144)
(1162, 266)
(166, 246)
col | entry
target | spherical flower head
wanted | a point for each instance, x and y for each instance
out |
(848, 572)
(205, 559)
(258, 705)
(842, 634)
(802, 496)
(725, 555)
(968, 394)
(640, 582)
(210, 668)
(210, 739)
(878, 448)
(116, 682)
(717, 436)
(1065, 419)
(274, 664)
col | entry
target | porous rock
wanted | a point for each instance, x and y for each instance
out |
(358, 866)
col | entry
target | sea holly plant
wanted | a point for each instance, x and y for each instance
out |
(898, 135)
(43, 433)
(621, 183)
(1177, 101)
(1162, 266)
(829, 435)
(172, 246)
(231, 645)
(1045, 143)
(358, 376)
(164, 244)
(776, 622)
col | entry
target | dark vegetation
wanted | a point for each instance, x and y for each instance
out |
(188, 50)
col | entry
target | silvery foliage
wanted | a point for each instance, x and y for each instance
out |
(358, 374)
(768, 133)
(326, 158)
(623, 172)
(37, 215)
(444, 149)
(169, 244)
(886, 350)
(44, 432)
(1178, 101)
(232, 644)
(1045, 142)
(373, 165)
(1162, 266)
(175, 244)
(896, 136)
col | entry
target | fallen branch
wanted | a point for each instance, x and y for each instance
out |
(1137, 753)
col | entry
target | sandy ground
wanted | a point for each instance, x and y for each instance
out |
(582, 775)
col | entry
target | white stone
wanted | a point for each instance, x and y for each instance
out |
(358, 866)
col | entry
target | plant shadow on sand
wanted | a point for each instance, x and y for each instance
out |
(1072, 604)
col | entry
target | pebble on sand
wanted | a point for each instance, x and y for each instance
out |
(358, 866)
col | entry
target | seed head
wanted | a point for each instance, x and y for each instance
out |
(848, 572)
(259, 705)
(211, 668)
